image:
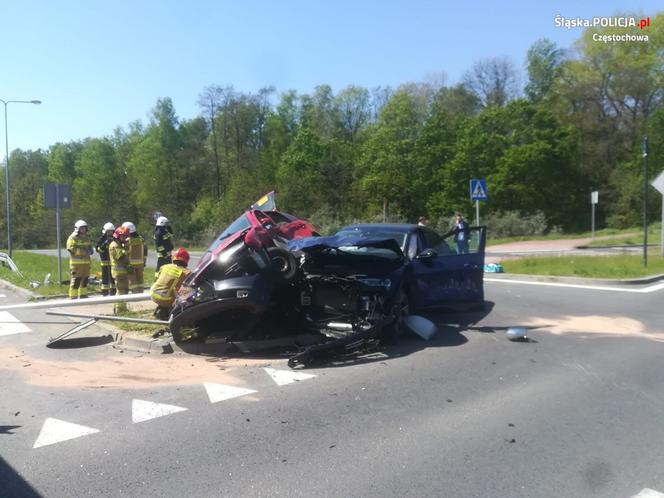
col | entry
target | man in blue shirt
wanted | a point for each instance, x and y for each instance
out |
(461, 231)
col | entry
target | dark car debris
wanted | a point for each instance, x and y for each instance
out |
(270, 275)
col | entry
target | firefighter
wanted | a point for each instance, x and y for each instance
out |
(137, 252)
(79, 246)
(168, 280)
(120, 267)
(163, 233)
(107, 281)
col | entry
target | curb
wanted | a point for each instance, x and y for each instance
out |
(19, 290)
(576, 280)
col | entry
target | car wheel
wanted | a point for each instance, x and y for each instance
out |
(283, 263)
(400, 310)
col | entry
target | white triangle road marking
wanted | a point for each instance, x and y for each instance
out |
(222, 392)
(284, 377)
(10, 325)
(147, 410)
(649, 493)
(55, 431)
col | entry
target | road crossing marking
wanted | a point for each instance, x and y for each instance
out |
(649, 493)
(221, 392)
(643, 290)
(55, 431)
(284, 377)
(10, 325)
(147, 410)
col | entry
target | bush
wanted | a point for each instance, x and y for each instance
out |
(515, 224)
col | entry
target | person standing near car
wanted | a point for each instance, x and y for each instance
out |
(461, 232)
(163, 235)
(168, 280)
(107, 281)
(137, 254)
(79, 246)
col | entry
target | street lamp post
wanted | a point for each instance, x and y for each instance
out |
(645, 201)
(8, 212)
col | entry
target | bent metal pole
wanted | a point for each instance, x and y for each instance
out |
(62, 303)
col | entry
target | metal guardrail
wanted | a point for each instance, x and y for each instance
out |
(9, 262)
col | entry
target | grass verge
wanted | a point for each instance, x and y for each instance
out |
(35, 267)
(619, 267)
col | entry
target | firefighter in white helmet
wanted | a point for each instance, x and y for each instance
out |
(137, 252)
(79, 246)
(107, 280)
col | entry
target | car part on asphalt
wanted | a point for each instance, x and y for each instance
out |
(517, 333)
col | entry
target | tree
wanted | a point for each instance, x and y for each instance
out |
(388, 162)
(527, 158)
(493, 81)
(544, 61)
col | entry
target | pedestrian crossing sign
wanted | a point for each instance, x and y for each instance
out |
(478, 190)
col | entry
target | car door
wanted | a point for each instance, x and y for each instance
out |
(441, 276)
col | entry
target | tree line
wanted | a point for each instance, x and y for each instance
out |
(577, 125)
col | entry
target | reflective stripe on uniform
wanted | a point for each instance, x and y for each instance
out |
(168, 280)
(119, 259)
(79, 248)
(135, 250)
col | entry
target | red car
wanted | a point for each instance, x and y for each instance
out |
(231, 287)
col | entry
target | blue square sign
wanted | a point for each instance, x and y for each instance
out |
(478, 190)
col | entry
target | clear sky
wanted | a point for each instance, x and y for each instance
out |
(97, 65)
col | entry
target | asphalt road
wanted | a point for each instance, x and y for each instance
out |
(574, 412)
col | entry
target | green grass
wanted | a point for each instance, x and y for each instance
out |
(635, 239)
(624, 266)
(138, 329)
(35, 267)
(555, 236)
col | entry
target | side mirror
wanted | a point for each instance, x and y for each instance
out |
(427, 254)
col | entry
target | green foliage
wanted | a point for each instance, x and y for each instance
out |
(515, 224)
(379, 154)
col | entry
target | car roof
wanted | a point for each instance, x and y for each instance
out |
(397, 227)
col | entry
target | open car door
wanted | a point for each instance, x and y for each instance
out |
(444, 276)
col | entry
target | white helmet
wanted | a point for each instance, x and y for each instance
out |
(129, 226)
(80, 224)
(162, 221)
(108, 226)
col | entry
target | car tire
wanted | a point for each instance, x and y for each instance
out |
(283, 264)
(400, 310)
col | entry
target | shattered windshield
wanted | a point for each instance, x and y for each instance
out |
(375, 233)
(238, 225)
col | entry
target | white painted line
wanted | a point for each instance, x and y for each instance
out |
(644, 290)
(649, 493)
(10, 325)
(147, 410)
(3, 295)
(222, 392)
(54, 431)
(283, 377)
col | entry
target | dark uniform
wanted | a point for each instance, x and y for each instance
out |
(163, 240)
(107, 280)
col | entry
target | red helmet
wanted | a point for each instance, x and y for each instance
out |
(121, 233)
(181, 254)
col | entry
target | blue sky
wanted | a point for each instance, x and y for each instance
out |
(99, 65)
